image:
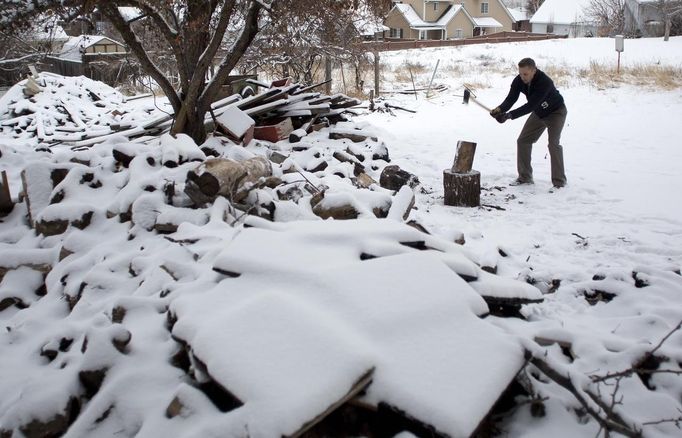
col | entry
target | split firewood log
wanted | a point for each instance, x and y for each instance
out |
(224, 177)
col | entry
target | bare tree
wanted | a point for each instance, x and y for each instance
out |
(671, 10)
(533, 5)
(610, 14)
(196, 33)
(26, 46)
(298, 47)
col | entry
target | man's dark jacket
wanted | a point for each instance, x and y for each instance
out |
(543, 97)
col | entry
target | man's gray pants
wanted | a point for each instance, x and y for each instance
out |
(531, 132)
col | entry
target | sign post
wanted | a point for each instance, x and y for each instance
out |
(620, 46)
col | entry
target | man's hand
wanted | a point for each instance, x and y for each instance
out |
(501, 118)
(495, 112)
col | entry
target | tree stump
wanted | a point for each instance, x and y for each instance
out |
(462, 189)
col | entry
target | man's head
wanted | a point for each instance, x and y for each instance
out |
(527, 70)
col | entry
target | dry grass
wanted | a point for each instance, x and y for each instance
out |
(456, 68)
(652, 76)
(560, 74)
(402, 72)
(478, 84)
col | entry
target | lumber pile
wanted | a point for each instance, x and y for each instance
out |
(281, 111)
(57, 109)
(79, 112)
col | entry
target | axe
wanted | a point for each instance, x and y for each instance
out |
(469, 95)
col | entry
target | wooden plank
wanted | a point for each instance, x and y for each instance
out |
(139, 96)
(14, 121)
(262, 109)
(257, 83)
(40, 127)
(74, 115)
(6, 204)
(359, 386)
(261, 99)
(226, 101)
(311, 87)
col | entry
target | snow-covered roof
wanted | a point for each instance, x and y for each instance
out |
(519, 14)
(411, 15)
(562, 12)
(75, 46)
(486, 22)
(415, 21)
(449, 15)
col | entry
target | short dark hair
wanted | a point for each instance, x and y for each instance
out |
(527, 62)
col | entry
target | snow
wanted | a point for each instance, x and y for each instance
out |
(561, 12)
(410, 15)
(519, 13)
(288, 315)
(371, 309)
(74, 47)
(449, 14)
(235, 121)
(487, 22)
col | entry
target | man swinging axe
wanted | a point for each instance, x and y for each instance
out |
(548, 111)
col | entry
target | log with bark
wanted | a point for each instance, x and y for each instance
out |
(462, 185)
(462, 189)
(224, 177)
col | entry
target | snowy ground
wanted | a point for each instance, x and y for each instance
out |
(621, 151)
(621, 211)
(119, 292)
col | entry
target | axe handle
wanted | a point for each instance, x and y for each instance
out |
(479, 103)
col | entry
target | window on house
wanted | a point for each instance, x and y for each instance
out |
(395, 33)
(484, 8)
(458, 33)
(435, 6)
(422, 34)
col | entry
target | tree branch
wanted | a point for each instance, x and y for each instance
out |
(608, 420)
(234, 53)
(206, 57)
(113, 14)
(170, 34)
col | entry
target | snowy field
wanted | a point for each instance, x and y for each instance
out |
(621, 149)
(241, 327)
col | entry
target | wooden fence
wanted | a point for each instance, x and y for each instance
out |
(112, 69)
(500, 37)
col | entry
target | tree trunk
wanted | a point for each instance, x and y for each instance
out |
(377, 76)
(328, 74)
(462, 189)
(668, 24)
(190, 121)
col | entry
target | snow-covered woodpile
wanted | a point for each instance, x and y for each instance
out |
(80, 112)
(58, 109)
(161, 287)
